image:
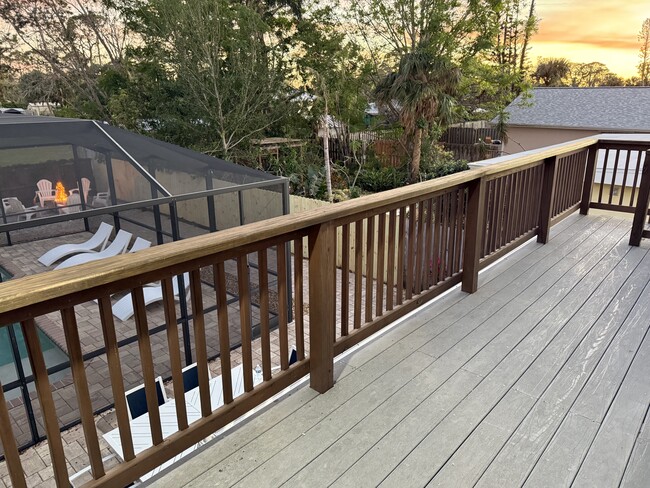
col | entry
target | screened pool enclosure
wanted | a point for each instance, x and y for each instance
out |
(61, 177)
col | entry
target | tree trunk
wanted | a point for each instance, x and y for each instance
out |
(326, 153)
(415, 158)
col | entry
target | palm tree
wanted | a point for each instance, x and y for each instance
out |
(423, 90)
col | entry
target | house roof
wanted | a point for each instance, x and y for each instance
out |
(602, 108)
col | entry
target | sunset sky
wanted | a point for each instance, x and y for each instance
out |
(591, 30)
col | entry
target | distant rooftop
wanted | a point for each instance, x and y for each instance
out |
(602, 108)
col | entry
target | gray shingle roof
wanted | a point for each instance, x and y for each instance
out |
(603, 108)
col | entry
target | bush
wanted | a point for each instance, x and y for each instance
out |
(437, 162)
(375, 179)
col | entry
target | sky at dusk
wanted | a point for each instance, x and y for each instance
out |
(591, 30)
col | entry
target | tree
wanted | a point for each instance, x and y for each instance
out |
(517, 23)
(423, 46)
(330, 66)
(36, 86)
(591, 74)
(229, 85)
(551, 71)
(644, 53)
(423, 87)
(72, 39)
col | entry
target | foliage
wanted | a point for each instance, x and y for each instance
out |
(437, 162)
(70, 40)
(304, 170)
(218, 57)
(551, 71)
(424, 87)
(592, 74)
(517, 23)
(377, 178)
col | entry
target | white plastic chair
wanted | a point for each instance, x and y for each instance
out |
(118, 246)
(15, 211)
(97, 241)
(101, 199)
(45, 192)
(123, 308)
(85, 186)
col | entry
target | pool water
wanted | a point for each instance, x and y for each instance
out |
(52, 353)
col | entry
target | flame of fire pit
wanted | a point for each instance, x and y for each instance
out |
(61, 196)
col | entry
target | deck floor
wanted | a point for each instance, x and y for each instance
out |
(541, 378)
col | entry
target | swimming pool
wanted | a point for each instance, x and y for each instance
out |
(52, 353)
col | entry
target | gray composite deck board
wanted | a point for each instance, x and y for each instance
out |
(531, 379)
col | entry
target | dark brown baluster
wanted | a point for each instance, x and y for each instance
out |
(224, 330)
(245, 320)
(345, 280)
(265, 329)
(283, 316)
(200, 344)
(298, 297)
(381, 249)
(370, 263)
(390, 282)
(358, 275)
(401, 249)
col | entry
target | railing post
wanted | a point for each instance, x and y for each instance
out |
(322, 300)
(643, 200)
(546, 204)
(474, 230)
(587, 185)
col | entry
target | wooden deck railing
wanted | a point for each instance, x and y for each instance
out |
(408, 245)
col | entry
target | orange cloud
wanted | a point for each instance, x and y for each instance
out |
(596, 30)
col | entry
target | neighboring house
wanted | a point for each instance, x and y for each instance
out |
(550, 116)
(42, 108)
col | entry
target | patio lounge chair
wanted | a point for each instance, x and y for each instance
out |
(15, 210)
(45, 192)
(136, 400)
(118, 246)
(123, 308)
(97, 241)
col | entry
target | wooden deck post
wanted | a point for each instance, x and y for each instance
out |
(322, 301)
(643, 200)
(589, 179)
(474, 230)
(546, 204)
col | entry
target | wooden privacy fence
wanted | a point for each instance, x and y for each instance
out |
(409, 245)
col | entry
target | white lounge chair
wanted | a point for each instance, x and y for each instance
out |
(118, 246)
(123, 308)
(97, 241)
